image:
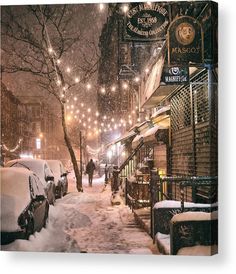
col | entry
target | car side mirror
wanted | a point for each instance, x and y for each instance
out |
(49, 178)
(64, 174)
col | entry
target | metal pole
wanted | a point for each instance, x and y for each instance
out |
(81, 162)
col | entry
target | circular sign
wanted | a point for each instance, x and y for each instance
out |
(185, 33)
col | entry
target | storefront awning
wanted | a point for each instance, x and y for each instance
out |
(161, 111)
(136, 141)
(149, 135)
(123, 138)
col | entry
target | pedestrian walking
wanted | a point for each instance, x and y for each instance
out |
(106, 174)
(90, 170)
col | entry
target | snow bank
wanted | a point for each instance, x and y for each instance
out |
(195, 216)
(87, 222)
(163, 241)
(177, 204)
(198, 250)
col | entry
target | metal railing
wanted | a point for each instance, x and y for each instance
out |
(148, 189)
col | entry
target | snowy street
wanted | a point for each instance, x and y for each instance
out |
(86, 222)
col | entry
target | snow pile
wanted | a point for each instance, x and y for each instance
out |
(86, 222)
(198, 250)
(163, 241)
(177, 204)
(195, 216)
(116, 199)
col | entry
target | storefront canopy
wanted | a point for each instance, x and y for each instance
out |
(137, 140)
(124, 137)
(150, 134)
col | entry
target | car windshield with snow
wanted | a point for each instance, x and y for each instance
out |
(24, 205)
(60, 177)
(43, 171)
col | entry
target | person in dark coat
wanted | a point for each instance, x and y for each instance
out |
(89, 170)
(106, 174)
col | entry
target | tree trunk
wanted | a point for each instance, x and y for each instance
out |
(78, 175)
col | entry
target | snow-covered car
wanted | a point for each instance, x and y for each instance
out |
(24, 204)
(60, 177)
(42, 170)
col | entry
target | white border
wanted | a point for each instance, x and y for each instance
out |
(34, 263)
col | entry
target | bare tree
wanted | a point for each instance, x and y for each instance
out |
(34, 40)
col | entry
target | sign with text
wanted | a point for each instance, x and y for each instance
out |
(175, 75)
(185, 41)
(146, 22)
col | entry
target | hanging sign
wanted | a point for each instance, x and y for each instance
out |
(146, 22)
(175, 75)
(185, 41)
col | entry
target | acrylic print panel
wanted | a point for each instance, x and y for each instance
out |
(109, 128)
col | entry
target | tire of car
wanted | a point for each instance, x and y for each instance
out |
(61, 192)
(29, 229)
(45, 219)
(53, 196)
(66, 190)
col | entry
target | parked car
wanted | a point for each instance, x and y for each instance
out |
(24, 204)
(42, 170)
(60, 177)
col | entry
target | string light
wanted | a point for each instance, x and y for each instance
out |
(101, 7)
(137, 79)
(68, 70)
(88, 86)
(58, 61)
(50, 50)
(58, 82)
(68, 118)
(113, 88)
(103, 91)
(82, 104)
(13, 149)
(77, 80)
(125, 86)
(125, 8)
(97, 113)
(89, 109)
(146, 70)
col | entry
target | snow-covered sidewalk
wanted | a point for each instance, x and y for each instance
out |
(86, 222)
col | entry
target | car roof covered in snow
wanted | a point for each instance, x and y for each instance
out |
(56, 166)
(36, 165)
(15, 195)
